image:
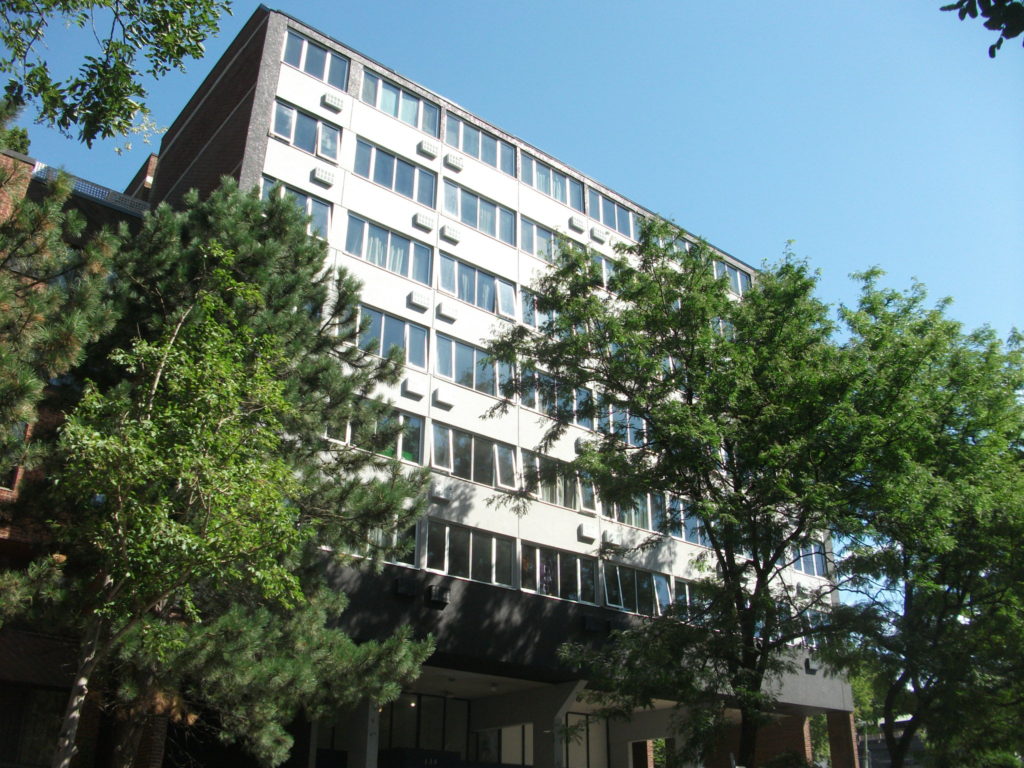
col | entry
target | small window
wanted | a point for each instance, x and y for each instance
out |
(306, 132)
(400, 103)
(315, 60)
(479, 213)
(473, 457)
(479, 144)
(388, 249)
(401, 176)
(382, 332)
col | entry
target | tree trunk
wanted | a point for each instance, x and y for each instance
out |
(87, 659)
(748, 740)
(129, 736)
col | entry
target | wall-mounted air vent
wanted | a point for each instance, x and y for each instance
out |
(332, 101)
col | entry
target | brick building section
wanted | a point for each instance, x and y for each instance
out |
(787, 733)
(209, 138)
(842, 739)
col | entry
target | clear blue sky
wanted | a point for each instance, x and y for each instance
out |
(868, 133)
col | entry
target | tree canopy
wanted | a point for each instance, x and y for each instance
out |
(134, 39)
(1003, 16)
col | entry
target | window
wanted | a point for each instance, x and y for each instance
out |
(556, 184)
(408, 444)
(382, 332)
(560, 574)
(473, 457)
(810, 558)
(533, 315)
(306, 132)
(401, 176)
(691, 598)
(629, 589)
(316, 61)
(615, 419)
(480, 144)
(469, 366)
(483, 289)
(400, 103)
(538, 240)
(611, 214)
(470, 553)
(387, 249)
(318, 211)
(544, 479)
(479, 213)
(543, 393)
(739, 280)
(694, 530)
(605, 268)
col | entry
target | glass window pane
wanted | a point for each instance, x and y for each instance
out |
(384, 168)
(435, 545)
(409, 108)
(389, 98)
(506, 299)
(485, 291)
(363, 152)
(370, 83)
(547, 578)
(458, 551)
(447, 278)
(543, 178)
(504, 558)
(528, 567)
(451, 129)
(526, 169)
(444, 356)
(508, 159)
(405, 178)
(417, 345)
(354, 236)
(481, 556)
(425, 189)
(645, 595)
(320, 214)
(588, 580)
(607, 212)
(293, 49)
(527, 227)
(464, 364)
(662, 592)
(467, 208)
(593, 203)
(421, 266)
(567, 586)
(488, 216)
(316, 60)
(467, 283)
(451, 198)
(431, 118)
(483, 461)
(613, 593)
(558, 182)
(394, 335)
(484, 374)
(283, 120)
(470, 140)
(506, 226)
(338, 74)
(305, 132)
(377, 245)
(442, 447)
(627, 578)
(462, 454)
(412, 438)
(623, 220)
(544, 244)
(369, 339)
(329, 141)
(506, 465)
(576, 195)
(398, 255)
(489, 149)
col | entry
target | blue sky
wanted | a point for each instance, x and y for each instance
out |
(868, 133)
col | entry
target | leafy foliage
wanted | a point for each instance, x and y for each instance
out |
(745, 413)
(1003, 16)
(135, 39)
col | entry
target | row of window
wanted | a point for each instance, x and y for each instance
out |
(480, 213)
(401, 176)
(318, 211)
(410, 108)
(306, 132)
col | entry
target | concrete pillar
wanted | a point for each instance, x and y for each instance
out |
(544, 707)
(842, 739)
(362, 741)
(788, 733)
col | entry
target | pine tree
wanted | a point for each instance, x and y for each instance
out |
(214, 649)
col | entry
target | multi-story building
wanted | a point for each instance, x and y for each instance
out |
(447, 220)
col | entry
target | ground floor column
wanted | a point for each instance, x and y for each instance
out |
(842, 739)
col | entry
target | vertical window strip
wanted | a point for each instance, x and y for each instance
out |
(401, 103)
(315, 60)
(387, 249)
(479, 144)
(395, 173)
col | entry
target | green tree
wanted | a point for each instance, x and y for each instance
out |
(217, 647)
(738, 409)
(134, 40)
(1003, 16)
(941, 496)
(52, 278)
